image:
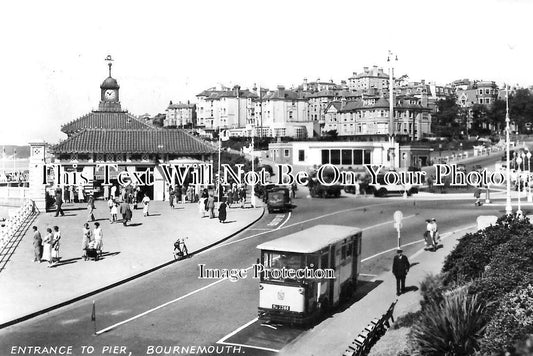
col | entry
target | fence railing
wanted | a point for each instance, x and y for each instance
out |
(12, 225)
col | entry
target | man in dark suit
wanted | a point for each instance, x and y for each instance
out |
(59, 202)
(400, 267)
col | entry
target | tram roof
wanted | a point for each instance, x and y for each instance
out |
(310, 240)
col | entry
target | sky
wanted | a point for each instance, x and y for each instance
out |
(52, 61)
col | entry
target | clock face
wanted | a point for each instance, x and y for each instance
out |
(110, 94)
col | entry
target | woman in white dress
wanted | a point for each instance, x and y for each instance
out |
(47, 246)
(55, 244)
(146, 204)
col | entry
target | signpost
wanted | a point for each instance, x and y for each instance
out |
(398, 216)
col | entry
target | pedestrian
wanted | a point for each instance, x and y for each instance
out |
(81, 194)
(435, 231)
(171, 194)
(201, 207)
(477, 195)
(56, 244)
(85, 240)
(59, 203)
(71, 194)
(222, 212)
(294, 188)
(113, 192)
(428, 235)
(230, 196)
(98, 236)
(183, 193)
(211, 205)
(110, 204)
(146, 204)
(114, 212)
(242, 196)
(400, 268)
(37, 245)
(126, 213)
(177, 191)
(47, 246)
(90, 208)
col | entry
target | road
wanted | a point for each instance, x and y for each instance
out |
(174, 307)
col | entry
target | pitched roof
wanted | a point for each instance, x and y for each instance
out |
(133, 141)
(105, 120)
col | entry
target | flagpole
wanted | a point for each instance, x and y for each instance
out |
(14, 162)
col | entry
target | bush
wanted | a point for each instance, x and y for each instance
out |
(475, 250)
(512, 322)
(452, 327)
(432, 289)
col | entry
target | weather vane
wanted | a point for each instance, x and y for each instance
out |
(108, 59)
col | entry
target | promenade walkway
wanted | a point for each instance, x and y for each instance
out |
(28, 287)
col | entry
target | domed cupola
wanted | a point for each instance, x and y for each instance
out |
(109, 89)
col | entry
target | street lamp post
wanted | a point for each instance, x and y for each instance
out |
(519, 162)
(508, 206)
(529, 197)
(391, 107)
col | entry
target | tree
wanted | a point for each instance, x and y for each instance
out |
(496, 114)
(521, 108)
(447, 120)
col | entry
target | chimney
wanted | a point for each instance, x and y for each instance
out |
(281, 90)
(365, 69)
(375, 70)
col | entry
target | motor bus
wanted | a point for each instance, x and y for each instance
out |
(278, 199)
(330, 258)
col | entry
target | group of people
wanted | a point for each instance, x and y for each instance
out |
(431, 235)
(125, 209)
(91, 240)
(181, 194)
(47, 248)
(207, 204)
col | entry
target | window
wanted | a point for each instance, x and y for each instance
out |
(366, 156)
(301, 155)
(346, 157)
(325, 156)
(335, 157)
(357, 157)
(286, 153)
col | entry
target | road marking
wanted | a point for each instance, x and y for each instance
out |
(237, 330)
(276, 220)
(288, 217)
(159, 307)
(249, 346)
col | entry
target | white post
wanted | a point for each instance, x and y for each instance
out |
(519, 178)
(508, 206)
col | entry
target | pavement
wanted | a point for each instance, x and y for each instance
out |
(333, 335)
(147, 243)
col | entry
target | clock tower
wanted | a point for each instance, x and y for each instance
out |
(109, 99)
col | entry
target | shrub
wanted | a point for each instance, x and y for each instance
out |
(475, 250)
(512, 322)
(432, 289)
(452, 327)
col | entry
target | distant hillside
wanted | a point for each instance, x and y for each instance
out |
(22, 151)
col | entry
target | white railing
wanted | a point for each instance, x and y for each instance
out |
(10, 226)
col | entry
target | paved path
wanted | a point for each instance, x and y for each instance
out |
(29, 287)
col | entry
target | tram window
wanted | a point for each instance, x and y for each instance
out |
(312, 262)
(277, 260)
(324, 261)
(349, 250)
(343, 252)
